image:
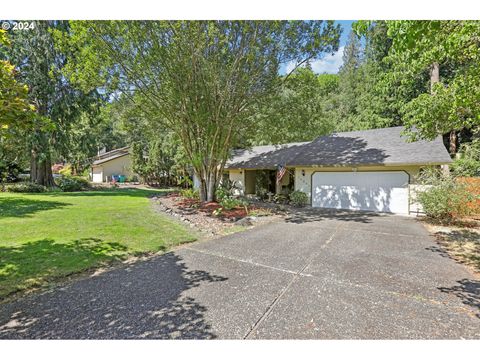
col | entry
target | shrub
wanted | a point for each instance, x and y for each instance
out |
(27, 187)
(222, 193)
(261, 192)
(280, 198)
(190, 193)
(298, 198)
(66, 170)
(466, 167)
(230, 203)
(72, 183)
(446, 198)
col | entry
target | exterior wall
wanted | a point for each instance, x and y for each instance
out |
(304, 183)
(97, 174)
(238, 176)
(118, 166)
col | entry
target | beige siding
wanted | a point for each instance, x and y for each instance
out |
(238, 176)
(97, 174)
(118, 166)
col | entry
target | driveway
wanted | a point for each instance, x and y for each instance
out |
(316, 275)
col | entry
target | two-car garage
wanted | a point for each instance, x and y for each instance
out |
(381, 191)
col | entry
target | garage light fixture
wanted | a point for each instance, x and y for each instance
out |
(303, 172)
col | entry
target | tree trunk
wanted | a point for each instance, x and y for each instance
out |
(453, 142)
(208, 185)
(41, 170)
(434, 75)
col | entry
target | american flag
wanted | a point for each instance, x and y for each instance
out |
(280, 172)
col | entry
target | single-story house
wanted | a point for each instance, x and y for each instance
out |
(110, 163)
(373, 170)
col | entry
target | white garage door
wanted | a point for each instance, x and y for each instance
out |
(382, 191)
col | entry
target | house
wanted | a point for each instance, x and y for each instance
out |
(373, 170)
(108, 164)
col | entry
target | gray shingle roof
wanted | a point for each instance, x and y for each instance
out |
(110, 155)
(369, 147)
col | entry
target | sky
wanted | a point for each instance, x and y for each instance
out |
(330, 63)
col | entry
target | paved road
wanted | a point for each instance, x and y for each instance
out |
(317, 275)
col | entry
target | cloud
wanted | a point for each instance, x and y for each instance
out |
(329, 64)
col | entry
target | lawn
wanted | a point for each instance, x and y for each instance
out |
(44, 237)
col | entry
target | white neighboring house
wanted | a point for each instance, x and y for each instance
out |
(372, 170)
(115, 162)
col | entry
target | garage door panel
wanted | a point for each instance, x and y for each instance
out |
(373, 191)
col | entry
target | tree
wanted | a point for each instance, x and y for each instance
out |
(445, 54)
(58, 105)
(298, 111)
(15, 109)
(201, 79)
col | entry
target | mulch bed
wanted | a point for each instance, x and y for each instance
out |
(201, 216)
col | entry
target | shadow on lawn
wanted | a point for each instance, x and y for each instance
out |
(149, 299)
(35, 263)
(22, 207)
(111, 192)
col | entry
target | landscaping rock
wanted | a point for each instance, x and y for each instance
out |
(244, 222)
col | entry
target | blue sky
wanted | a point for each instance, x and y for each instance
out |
(330, 63)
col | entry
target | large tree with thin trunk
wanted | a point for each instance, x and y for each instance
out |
(200, 79)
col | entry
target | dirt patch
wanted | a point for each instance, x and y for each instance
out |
(210, 219)
(460, 243)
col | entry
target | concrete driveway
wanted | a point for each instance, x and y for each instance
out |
(317, 275)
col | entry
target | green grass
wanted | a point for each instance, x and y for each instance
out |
(46, 236)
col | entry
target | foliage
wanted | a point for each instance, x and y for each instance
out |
(9, 172)
(468, 164)
(190, 193)
(230, 203)
(26, 187)
(72, 183)
(298, 198)
(280, 198)
(48, 236)
(226, 189)
(466, 167)
(201, 79)
(15, 108)
(261, 192)
(450, 102)
(445, 197)
(299, 110)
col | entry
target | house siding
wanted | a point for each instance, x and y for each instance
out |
(238, 177)
(118, 166)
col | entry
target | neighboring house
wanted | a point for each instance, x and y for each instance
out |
(360, 170)
(108, 164)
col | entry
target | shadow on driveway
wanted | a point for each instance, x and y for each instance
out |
(309, 214)
(468, 291)
(144, 300)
